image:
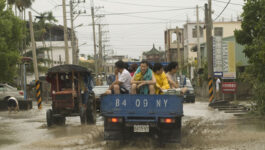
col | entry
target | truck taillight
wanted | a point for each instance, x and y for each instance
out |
(21, 93)
(167, 120)
(115, 120)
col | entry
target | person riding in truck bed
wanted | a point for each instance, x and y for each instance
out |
(143, 81)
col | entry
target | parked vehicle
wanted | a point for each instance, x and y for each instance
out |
(189, 96)
(157, 115)
(72, 95)
(7, 91)
(99, 92)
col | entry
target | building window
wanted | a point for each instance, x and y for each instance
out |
(166, 37)
(218, 31)
(194, 32)
(173, 37)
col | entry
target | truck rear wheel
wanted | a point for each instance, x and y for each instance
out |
(49, 118)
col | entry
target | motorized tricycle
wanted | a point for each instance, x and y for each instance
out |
(72, 95)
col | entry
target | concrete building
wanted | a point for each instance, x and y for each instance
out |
(223, 29)
(190, 40)
(154, 55)
(110, 62)
(58, 50)
(171, 44)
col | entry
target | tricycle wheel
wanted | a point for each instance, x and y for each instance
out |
(83, 115)
(59, 120)
(91, 113)
(49, 117)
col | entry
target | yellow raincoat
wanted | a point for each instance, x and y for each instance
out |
(161, 82)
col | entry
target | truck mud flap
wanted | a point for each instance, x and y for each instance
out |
(170, 136)
(113, 131)
(170, 133)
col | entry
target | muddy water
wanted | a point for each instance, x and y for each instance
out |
(203, 128)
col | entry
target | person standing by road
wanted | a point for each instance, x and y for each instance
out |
(217, 82)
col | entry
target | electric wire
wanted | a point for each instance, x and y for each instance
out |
(222, 10)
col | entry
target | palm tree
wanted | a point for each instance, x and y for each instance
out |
(22, 5)
(42, 21)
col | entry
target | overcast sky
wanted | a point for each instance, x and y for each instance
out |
(132, 33)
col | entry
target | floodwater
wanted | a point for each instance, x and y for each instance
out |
(203, 128)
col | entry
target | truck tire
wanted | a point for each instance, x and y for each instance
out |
(49, 118)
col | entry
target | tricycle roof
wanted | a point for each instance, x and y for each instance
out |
(68, 68)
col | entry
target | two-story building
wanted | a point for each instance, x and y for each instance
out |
(174, 39)
(190, 40)
(223, 29)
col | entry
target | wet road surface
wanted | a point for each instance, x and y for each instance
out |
(203, 128)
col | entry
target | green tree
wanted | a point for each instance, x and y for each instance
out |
(43, 20)
(11, 33)
(252, 36)
(22, 5)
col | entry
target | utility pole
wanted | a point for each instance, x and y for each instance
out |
(208, 23)
(211, 45)
(73, 42)
(100, 46)
(51, 46)
(94, 37)
(65, 34)
(35, 63)
(178, 47)
(77, 51)
(198, 38)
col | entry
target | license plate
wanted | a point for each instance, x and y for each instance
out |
(141, 128)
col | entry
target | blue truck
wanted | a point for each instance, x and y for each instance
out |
(157, 115)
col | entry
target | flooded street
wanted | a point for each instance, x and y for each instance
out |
(203, 128)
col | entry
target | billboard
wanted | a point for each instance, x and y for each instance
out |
(224, 63)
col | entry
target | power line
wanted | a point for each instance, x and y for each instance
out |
(140, 23)
(146, 17)
(226, 2)
(144, 5)
(223, 10)
(141, 12)
(219, 1)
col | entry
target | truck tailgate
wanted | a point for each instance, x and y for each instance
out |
(147, 105)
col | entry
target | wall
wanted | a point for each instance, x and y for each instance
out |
(58, 50)
(189, 42)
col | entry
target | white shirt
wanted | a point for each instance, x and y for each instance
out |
(217, 84)
(125, 78)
